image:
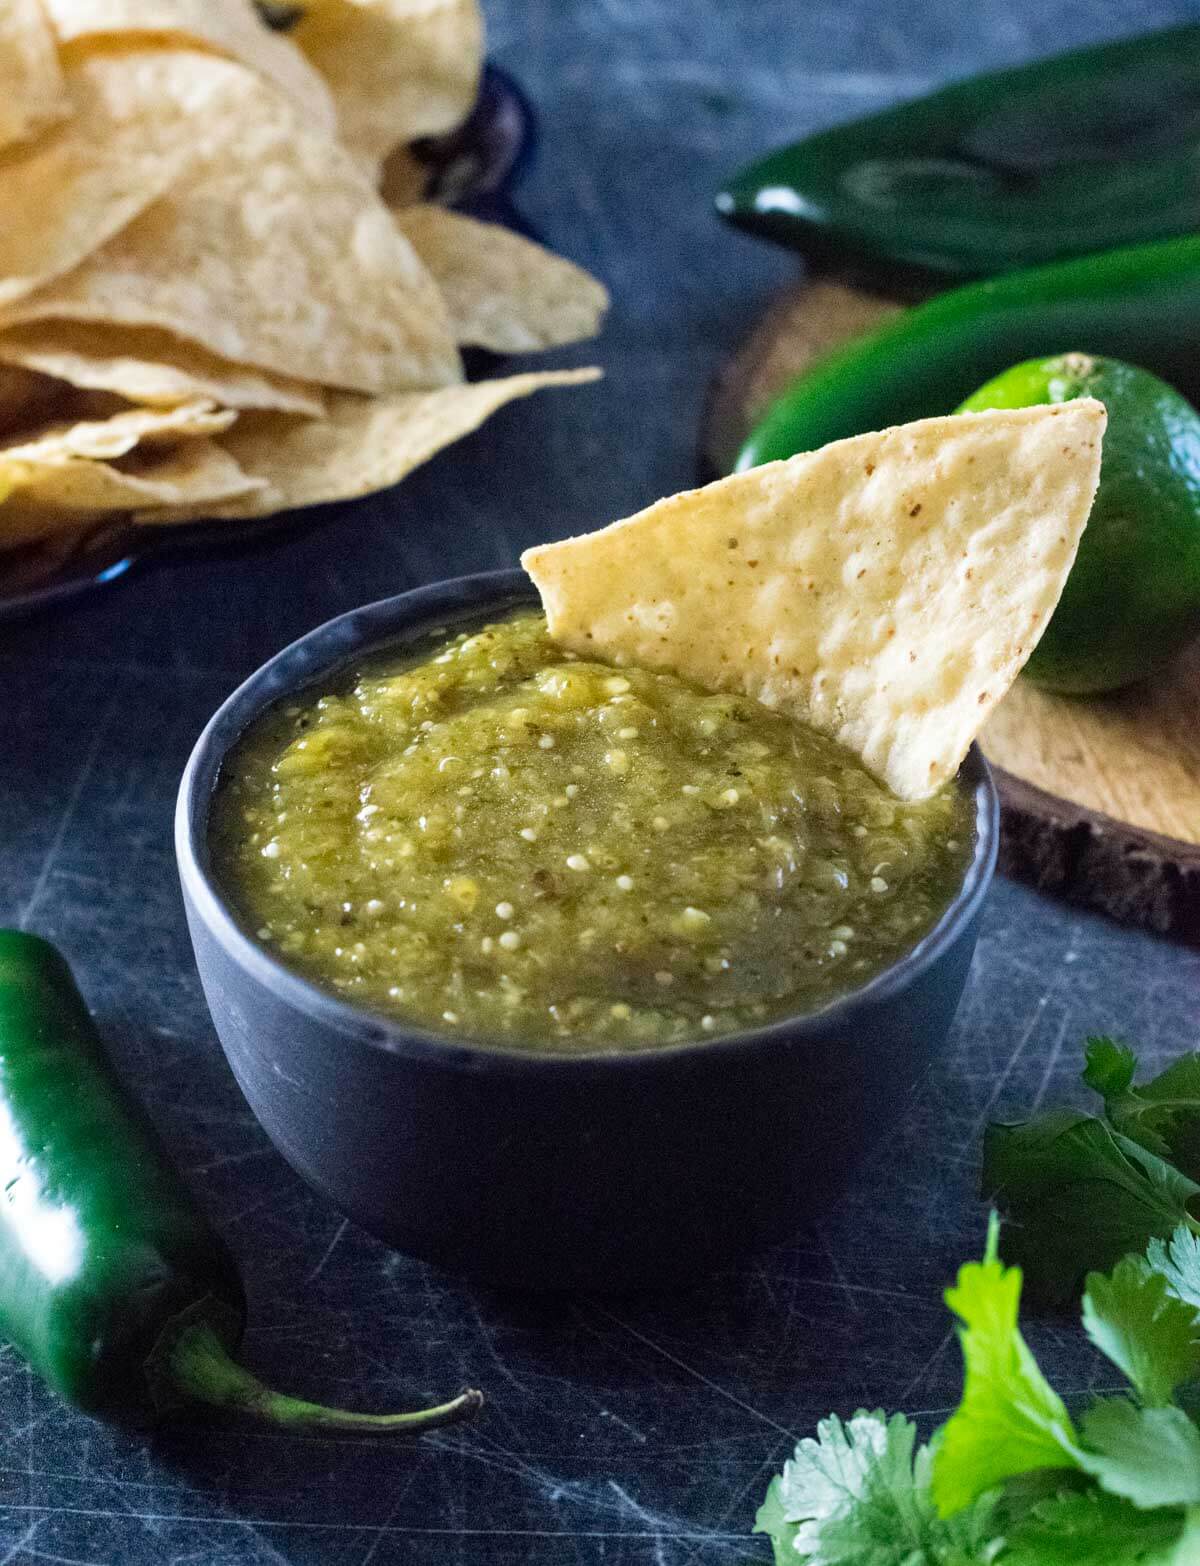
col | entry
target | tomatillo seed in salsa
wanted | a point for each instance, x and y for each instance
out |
(499, 840)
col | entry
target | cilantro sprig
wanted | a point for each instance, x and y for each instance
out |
(1011, 1478)
(1080, 1191)
(859, 1495)
(1107, 1202)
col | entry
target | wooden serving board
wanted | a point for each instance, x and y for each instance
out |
(1100, 797)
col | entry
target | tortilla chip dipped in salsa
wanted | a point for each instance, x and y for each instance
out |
(712, 788)
(886, 589)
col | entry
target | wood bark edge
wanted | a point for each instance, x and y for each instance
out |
(1135, 876)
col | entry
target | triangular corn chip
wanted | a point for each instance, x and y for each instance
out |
(148, 366)
(33, 93)
(272, 250)
(61, 495)
(230, 27)
(137, 121)
(364, 444)
(103, 440)
(62, 474)
(886, 589)
(398, 69)
(502, 291)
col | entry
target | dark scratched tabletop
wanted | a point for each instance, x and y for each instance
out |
(630, 1431)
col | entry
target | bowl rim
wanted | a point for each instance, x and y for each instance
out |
(411, 617)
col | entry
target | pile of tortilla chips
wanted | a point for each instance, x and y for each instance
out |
(207, 306)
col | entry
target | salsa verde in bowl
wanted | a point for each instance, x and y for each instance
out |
(494, 838)
(601, 1157)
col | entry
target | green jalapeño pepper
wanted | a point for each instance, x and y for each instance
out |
(112, 1283)
(1087, 151)
(1141, 304)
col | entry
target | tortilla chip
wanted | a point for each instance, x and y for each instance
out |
(502, 291)
(103, 440)
(230, 27)
(58, 495)
(365, 444)
(138, 120)
(146, 366)
(398, 69)
(886, 589)
(271, 251)
(66, 468)
(33, 93)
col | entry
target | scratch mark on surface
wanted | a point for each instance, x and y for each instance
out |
(635, 1508)
(388, 1522)
(638, 1435)
(1051, 1063)
(911, 1386)
(329, 1250)
(250, 1209)
(842, 1285)
(64, 1560)
(19, 1544)
(403, 1530)
(551, 1487)
(89, 765)
(226, 1160)
(757, 1481)
(842, 1282)
(697, 1375)
(1002, 1077)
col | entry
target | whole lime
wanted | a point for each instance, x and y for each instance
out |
(1132, 599)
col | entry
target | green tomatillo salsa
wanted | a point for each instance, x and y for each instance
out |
(493, 838)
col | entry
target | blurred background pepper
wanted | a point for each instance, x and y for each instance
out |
(1086, 151)
(1140, 303)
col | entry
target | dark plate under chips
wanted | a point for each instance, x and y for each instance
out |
(474, 169)
(547, 1170)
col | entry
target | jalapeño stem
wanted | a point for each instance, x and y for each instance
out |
(200, 1369)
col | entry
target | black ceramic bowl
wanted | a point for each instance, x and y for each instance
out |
(604, 1171)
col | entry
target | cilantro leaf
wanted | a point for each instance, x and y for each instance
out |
(1151, 1456)
(771, 1519)
(1079, 1196)
(1162, 1115)
(1090, 1528)
(858, 1495)
(1010, 1419)
(1178, 1260)
(1110, 1066)
(853, 1491)
(1133, 1318)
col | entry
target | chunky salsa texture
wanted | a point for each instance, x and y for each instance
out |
(488, 837)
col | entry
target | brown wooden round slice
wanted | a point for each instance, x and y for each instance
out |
(1100, 796)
